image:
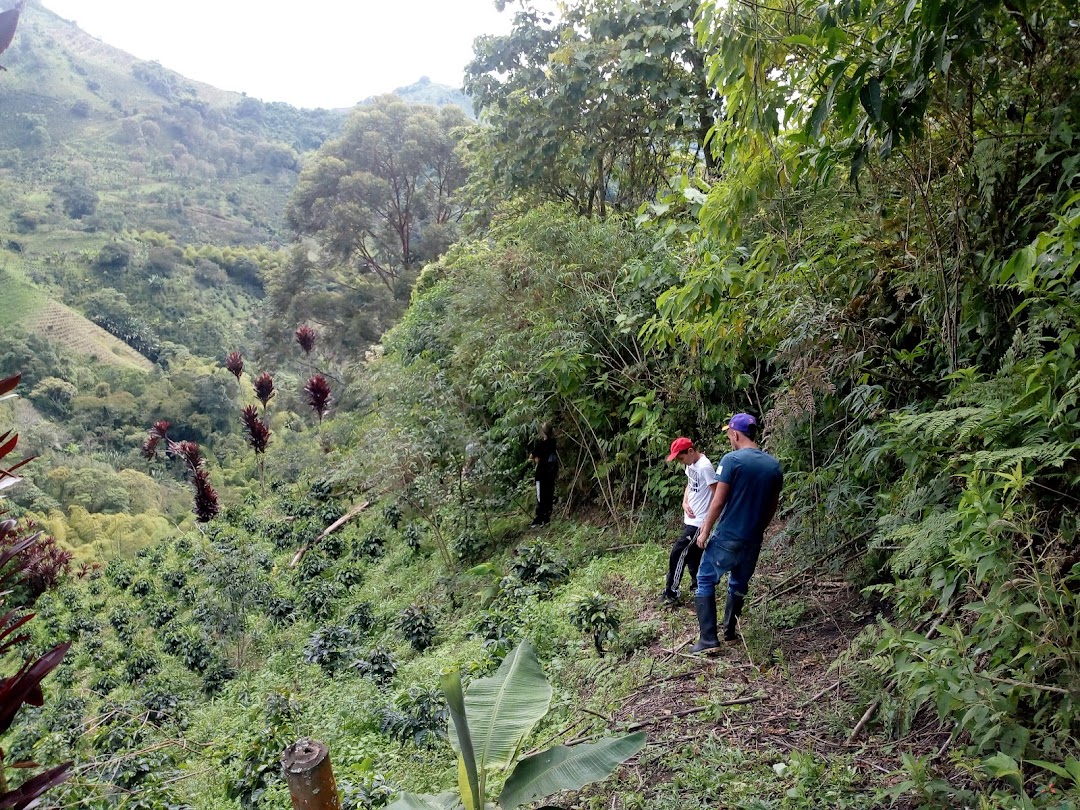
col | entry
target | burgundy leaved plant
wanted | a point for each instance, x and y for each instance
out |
(207, 504)
(44, 563)
(264, 388)
(318, 395)
(187, 451)
(234, 362)
(258, 432)
(306, 337)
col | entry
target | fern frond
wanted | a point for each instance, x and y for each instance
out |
(921, 544)
(1053, 454)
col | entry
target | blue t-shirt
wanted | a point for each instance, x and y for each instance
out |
(755, 479)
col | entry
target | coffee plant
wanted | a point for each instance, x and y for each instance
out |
(392, 515)
(378, 664)
(316, 599)
(370, 546)
(329, 647)
(596, 615)
(418, 716)
(535, 570)
(413, 533)
(417, 627)
(362, 618)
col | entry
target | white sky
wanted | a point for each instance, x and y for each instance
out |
(310, 53)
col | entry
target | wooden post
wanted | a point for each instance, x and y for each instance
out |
(310, 776)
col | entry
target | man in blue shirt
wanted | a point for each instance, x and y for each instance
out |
(744, 503)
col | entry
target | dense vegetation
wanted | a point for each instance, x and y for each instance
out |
(303, 494)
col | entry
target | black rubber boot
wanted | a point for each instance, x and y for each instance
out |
(706, 619)
(732, 611)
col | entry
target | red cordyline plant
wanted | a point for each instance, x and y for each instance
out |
(45, 563)
(24, 687)
(9, 440)
(264, 388)
(158, 432)
(234, 362)
(258, 436)
(207, 504)
(258, 433)
(318, 395)
(306, 337)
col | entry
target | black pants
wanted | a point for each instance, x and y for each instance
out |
(684, 555)
(545, 492)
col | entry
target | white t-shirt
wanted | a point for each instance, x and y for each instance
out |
(701, 478)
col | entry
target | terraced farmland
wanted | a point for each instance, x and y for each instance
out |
(71, 330)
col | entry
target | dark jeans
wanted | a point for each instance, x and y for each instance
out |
(727, 557)
(545, 492)
(684, 555)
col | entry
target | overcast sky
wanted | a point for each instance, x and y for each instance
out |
(310, 53)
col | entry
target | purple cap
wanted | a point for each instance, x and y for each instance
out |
(742, 422)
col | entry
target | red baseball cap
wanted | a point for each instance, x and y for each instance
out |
(680, 445)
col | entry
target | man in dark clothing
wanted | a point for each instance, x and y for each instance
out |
(748, 487)
(544, 455)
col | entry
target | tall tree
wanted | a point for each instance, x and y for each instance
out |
(380, 199)
(599, 107)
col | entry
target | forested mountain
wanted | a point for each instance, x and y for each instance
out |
(299, 493)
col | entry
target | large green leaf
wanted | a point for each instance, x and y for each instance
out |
(415, 801)
(503, 709)
(566, 768)
(455, 700)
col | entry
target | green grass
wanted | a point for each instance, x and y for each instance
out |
(19, 301)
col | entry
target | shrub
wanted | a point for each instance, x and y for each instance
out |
(413, 533)
(535, 570)
(596, 615)
(417, 627)
(140, 664)
(317, 599)
(392, 515)
(119, 573)
(362, 618)
(349, 576)
(370, 546)
(377, 664)
(281, 610)
(418, 715)
(328, 647)
(142, 587)
(217, 675)
(470, 547)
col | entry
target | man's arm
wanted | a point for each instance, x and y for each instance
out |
(686, 503)
(771, 511)
(716, 506)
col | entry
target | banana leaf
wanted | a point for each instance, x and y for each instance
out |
(566, 768)
(503, 709)
(415, 801)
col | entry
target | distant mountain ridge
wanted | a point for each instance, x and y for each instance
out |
(425, 91)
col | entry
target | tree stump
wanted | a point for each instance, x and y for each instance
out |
(310, 776)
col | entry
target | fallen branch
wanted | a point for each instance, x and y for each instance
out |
(1057, 690)
(873, 706)
(333, 527)
(820, 694)
(684, 713)
(795, 580)
(863, 720)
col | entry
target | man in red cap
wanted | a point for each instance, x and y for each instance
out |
(701, 481)
(748, 483)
